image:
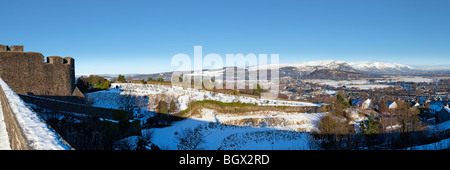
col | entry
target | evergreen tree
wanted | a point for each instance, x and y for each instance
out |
(371, 126)
(343, 101)
(106, 84)
(258, 90)
(121, 79)
(162, 107)
(159, 79)
(172, 107)
(92, 83)
(339, 104)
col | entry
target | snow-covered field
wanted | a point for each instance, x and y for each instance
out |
(253, 130)
(213, 130)
(362, 84)
(184, 96)
(366, 85)
(106, 98)
(273, 119)
(216, 135)
(412, 79)
(121, 94)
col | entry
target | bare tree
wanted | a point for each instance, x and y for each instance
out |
(190, 139)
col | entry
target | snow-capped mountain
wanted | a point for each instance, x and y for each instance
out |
(319, 65)
(362, 66)
(302, 69)
(310, 66)
(380, 67)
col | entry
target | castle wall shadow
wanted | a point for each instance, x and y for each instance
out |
(84, 127)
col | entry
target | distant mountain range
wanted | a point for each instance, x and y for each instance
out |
(327, 69)
(370, 67)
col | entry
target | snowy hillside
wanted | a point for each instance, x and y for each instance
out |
(379, 67)
(184, 96)
(147, 97)
(306, 66)
(213, 129)
(214, 134)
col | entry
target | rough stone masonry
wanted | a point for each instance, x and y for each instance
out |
(28, 73)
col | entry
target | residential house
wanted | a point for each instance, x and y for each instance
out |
(363, 103)
(391, 104)
(436, 106)
(443, 115)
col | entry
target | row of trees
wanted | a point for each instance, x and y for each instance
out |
(159, 79)
(165, 108)
(122, 79)
(92, 83)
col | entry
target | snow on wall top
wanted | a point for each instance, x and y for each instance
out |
(38, 133)
(4, 140)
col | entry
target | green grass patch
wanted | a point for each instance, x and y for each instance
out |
(223, 104)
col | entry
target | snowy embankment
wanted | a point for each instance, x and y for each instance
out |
(149, 95)
(270, 129)
(442, 144)
(37, 132)
(217, 134)
(110, 98)
(184, 96)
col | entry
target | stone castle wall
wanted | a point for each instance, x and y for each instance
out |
(29, 73)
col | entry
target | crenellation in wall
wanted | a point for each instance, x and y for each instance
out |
(29, 73)
(13, 48)
(17, 48)
(3, 48)
(55, 60)
(68, 60)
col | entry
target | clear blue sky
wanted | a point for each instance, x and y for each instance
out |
(142, 36)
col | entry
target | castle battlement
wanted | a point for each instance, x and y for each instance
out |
(13, 48)
(29, 73)
(60, 60)
(50, 59)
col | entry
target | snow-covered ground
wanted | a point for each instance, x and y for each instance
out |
(274, 119)
(365, 84)
(117, 99)
(219, 131)
(253, 130)
(412, 79)
(184, 96)
(362, 84)
(443, 144)
(106, 98)
(223, 136)
(120, 94)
